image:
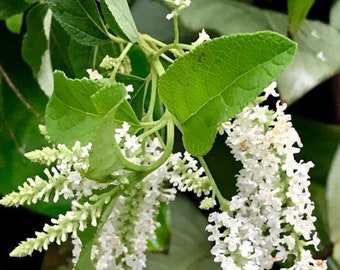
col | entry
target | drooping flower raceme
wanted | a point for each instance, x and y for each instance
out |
(271, 217)
(122, 241)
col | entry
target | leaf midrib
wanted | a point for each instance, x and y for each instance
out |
(78, 110)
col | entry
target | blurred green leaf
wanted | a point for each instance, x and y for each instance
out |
(12, 7)
(333, 198)
(163, 232)
(35, 47)
(117, 14)
(318, 196)
(150, 16)
(320, 143)
(189, 248)
(334, 16)
(297, 12)
(336, 253)
(228, 86)
(14, 23)
(317, 58)
(81, 20)
(19, 122)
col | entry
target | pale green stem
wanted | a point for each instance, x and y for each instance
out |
(95, 52)
(176, 30)
(224, 203)
(145, 168)
(149, 114)
(116, 39)
(157, 126)
(119, 61)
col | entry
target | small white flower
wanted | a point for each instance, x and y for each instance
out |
(177, 5)
(129, 89)
(94, 74)
(202, 36)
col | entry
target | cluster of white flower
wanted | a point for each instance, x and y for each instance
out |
(177, 5)
(94, 74)
(271, 216)
(123, 239)
(109, 63)
(65, 179)
(187, 176)
(132, 222)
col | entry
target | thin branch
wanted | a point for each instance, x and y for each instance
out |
(20, 96)
(12, 136)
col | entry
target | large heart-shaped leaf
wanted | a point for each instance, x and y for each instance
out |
(84, 110)
(317, 58)
(216, 80)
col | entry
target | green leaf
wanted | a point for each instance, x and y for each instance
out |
(117, 14)
(333, 198)
(297, 12)
(215, 81)
(125, 113)
(335, 259)
(103, 158)
(12, 7)
(317, 58)
(19, 123)
(83, 57)
(72, 114)
(163, 232)
(334, 16)
(81, 20)
(189, 248)
(312, 133)
(59, 43)
(140, 94)
(35, 47)
(139, 62)
(318, 196)
(14, 23)
(85, 110)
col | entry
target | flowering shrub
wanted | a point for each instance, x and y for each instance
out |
(110, 144)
